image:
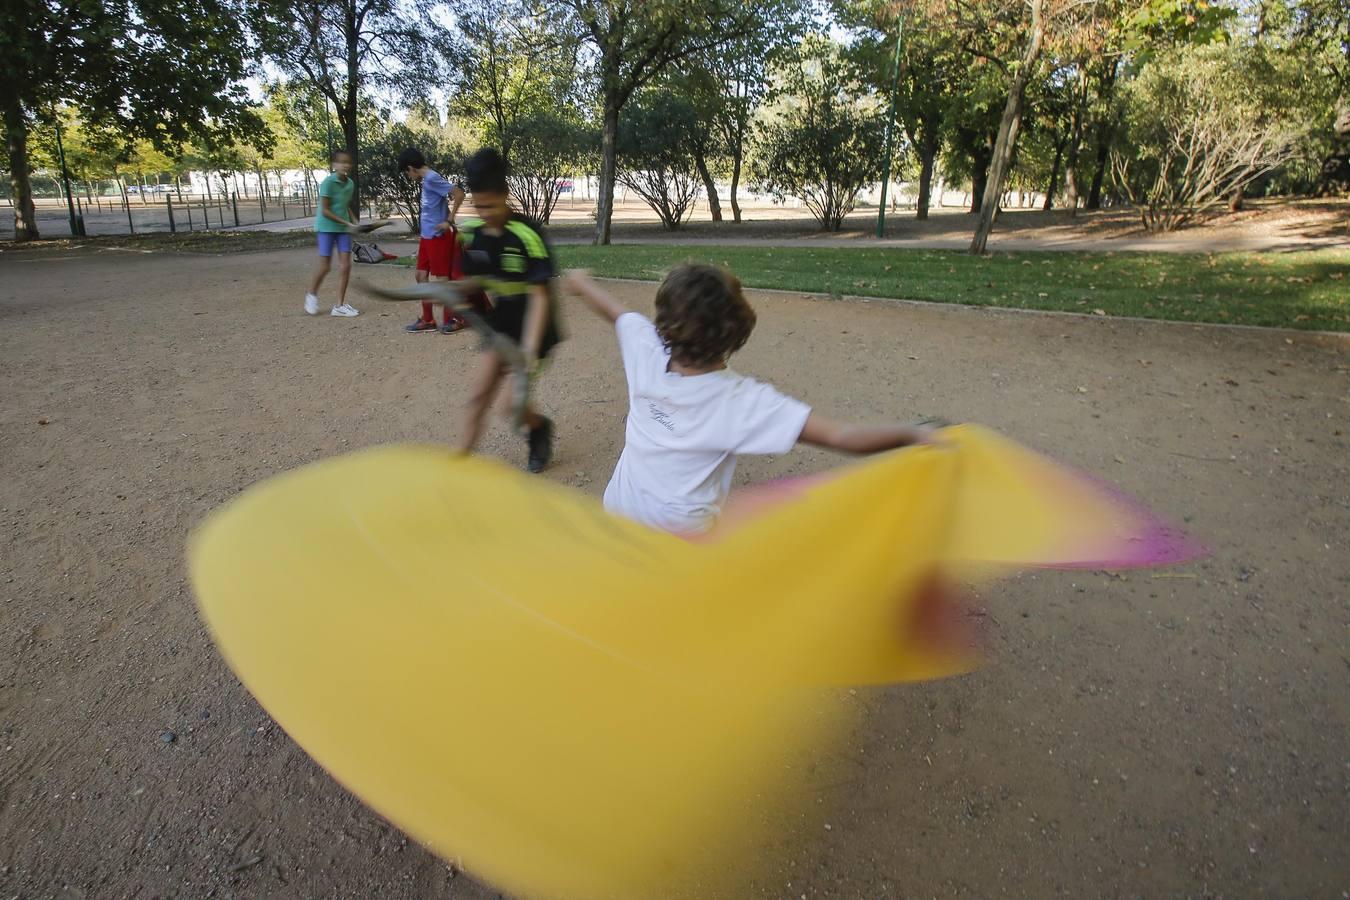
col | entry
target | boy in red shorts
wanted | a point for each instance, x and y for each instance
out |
(438, 250)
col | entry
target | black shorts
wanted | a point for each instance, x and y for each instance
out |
(508, 318)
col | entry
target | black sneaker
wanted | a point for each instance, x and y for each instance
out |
(420, 326)
(457, 324)
(541, 446)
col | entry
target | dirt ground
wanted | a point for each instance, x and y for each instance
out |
(1264, 225)
(1170, 734)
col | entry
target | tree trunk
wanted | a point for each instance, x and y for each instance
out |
(1054, 177)
(604, 208)
(1075, 144)
(349, 124)
(735, 183)
(709, 186)
(1104, 134)
(20, 177)
(979, 178)
(1094, 200)
(1007, 131)
(927, 156)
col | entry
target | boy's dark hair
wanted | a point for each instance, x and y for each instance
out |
(701, 314)
(411, 157)
(485, 171)
(332, 157)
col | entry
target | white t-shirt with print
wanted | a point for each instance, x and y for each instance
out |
(684, 432)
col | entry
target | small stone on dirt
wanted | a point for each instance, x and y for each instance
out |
(168, 737)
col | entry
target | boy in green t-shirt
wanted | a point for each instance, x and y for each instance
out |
(335, 215)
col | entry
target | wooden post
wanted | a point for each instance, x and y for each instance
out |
(168, 205)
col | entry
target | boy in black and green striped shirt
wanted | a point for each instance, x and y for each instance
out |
(509, 254)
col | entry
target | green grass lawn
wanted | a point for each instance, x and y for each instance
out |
(1308, 290)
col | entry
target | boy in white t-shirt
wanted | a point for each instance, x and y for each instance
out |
(689, 415)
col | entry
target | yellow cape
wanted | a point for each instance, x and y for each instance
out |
(574, 705)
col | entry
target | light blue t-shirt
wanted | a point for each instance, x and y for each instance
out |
(435, 203)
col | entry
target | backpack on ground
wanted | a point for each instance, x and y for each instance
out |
(368, 253)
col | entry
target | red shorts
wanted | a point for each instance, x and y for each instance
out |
(440, 256)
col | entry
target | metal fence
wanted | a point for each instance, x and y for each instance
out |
(132, 214)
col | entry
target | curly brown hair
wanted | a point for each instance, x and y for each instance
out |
(701, 314)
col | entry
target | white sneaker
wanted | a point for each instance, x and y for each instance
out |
(345, 309)
(312, 304)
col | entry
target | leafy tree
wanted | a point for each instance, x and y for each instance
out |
(163, 71)
(1317, 34)
(221, 161)
(385, 183)
(971, 129)
(706, 140)
(547, 146)
(347, 49)
(1104, 115)
(89, 155)
(1109, 46)
(728, 84)
(298, 119)
(934, 85)
(656, 153)
(512, 60)
(1204, 122)
(297, 115)
(145, 160)
(636, 40)
(1033, 23)
(1046, 136)
(826, 144)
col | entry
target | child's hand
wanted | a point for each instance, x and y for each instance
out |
(442, 227)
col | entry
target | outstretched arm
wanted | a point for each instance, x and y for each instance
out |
(580, 283)
(456, 201)
(851, 438)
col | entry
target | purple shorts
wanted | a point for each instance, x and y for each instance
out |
(328, 238)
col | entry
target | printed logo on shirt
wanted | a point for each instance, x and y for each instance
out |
(661, 417)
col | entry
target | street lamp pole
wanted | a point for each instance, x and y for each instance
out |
(890, 128)
(65, 179)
